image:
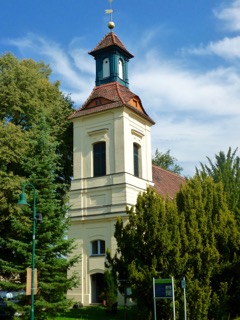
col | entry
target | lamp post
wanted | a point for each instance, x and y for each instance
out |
(23, 202)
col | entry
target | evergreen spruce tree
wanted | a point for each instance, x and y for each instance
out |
(35, 138)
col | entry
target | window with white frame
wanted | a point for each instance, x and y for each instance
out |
(98, 247)
(137, 160)
(106, 68)
(120, 68)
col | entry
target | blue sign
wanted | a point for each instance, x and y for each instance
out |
(163, 288)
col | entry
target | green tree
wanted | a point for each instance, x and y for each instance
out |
(195, 236)
(166, 161)
(225, 169)
(35, 137)
(211, 245)
(147, 246)
(109, 294)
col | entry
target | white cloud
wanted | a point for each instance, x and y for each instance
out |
(64, 63)
(82, 60)
(230, 14)
(215, 92)
(196, 111)
(227, 48)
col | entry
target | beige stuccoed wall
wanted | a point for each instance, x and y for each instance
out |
(120, 129)
(90, 264)
(96, 202)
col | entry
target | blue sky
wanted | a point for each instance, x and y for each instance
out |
(186, 66)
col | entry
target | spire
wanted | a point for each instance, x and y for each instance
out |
(111, 24)
(111, 57)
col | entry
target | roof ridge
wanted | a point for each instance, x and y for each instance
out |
(119, 93)
(105, 85)
(86, 101)
(114, 37)
(170, 172)
(116, 40)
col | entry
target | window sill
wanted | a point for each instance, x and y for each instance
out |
(97, 255)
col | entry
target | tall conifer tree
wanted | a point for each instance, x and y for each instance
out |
(35, 138)
(225, 169)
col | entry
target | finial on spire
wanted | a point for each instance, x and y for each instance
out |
(111, 24)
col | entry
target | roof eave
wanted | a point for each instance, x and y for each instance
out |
(85, 112)
(94, 53)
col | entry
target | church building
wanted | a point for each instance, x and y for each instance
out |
(112, 164)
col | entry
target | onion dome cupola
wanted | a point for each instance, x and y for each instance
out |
(111, 60)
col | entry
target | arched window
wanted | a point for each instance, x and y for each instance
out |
(97, 247)
(99, 159)
(106, 68)
(137, 159)
(120, 68)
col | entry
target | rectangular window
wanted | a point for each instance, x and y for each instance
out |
(102, 247)
(98, 247)
(136, 150)
(99, 159)
(95, 247)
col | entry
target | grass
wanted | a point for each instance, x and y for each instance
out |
(97, 313)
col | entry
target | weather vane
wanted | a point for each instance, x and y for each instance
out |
(109, 11)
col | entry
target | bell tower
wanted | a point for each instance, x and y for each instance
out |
(112, 164)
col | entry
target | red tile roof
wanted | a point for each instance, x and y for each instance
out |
(109, 96)
(109, 40)
(166, 182)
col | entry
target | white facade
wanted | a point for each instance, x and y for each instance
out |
(96, 202)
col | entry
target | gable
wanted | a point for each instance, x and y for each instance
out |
(134, 102)
(97, 102)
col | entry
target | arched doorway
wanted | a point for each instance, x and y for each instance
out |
(96, 287)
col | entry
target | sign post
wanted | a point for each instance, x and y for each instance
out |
(183, 285)
(163, 289)
(29, 281)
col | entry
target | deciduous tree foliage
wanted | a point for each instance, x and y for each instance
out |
(166, 161)
(35, 138)
(195, 236)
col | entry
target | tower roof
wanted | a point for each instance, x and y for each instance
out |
(110, 96)
(110, 40)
